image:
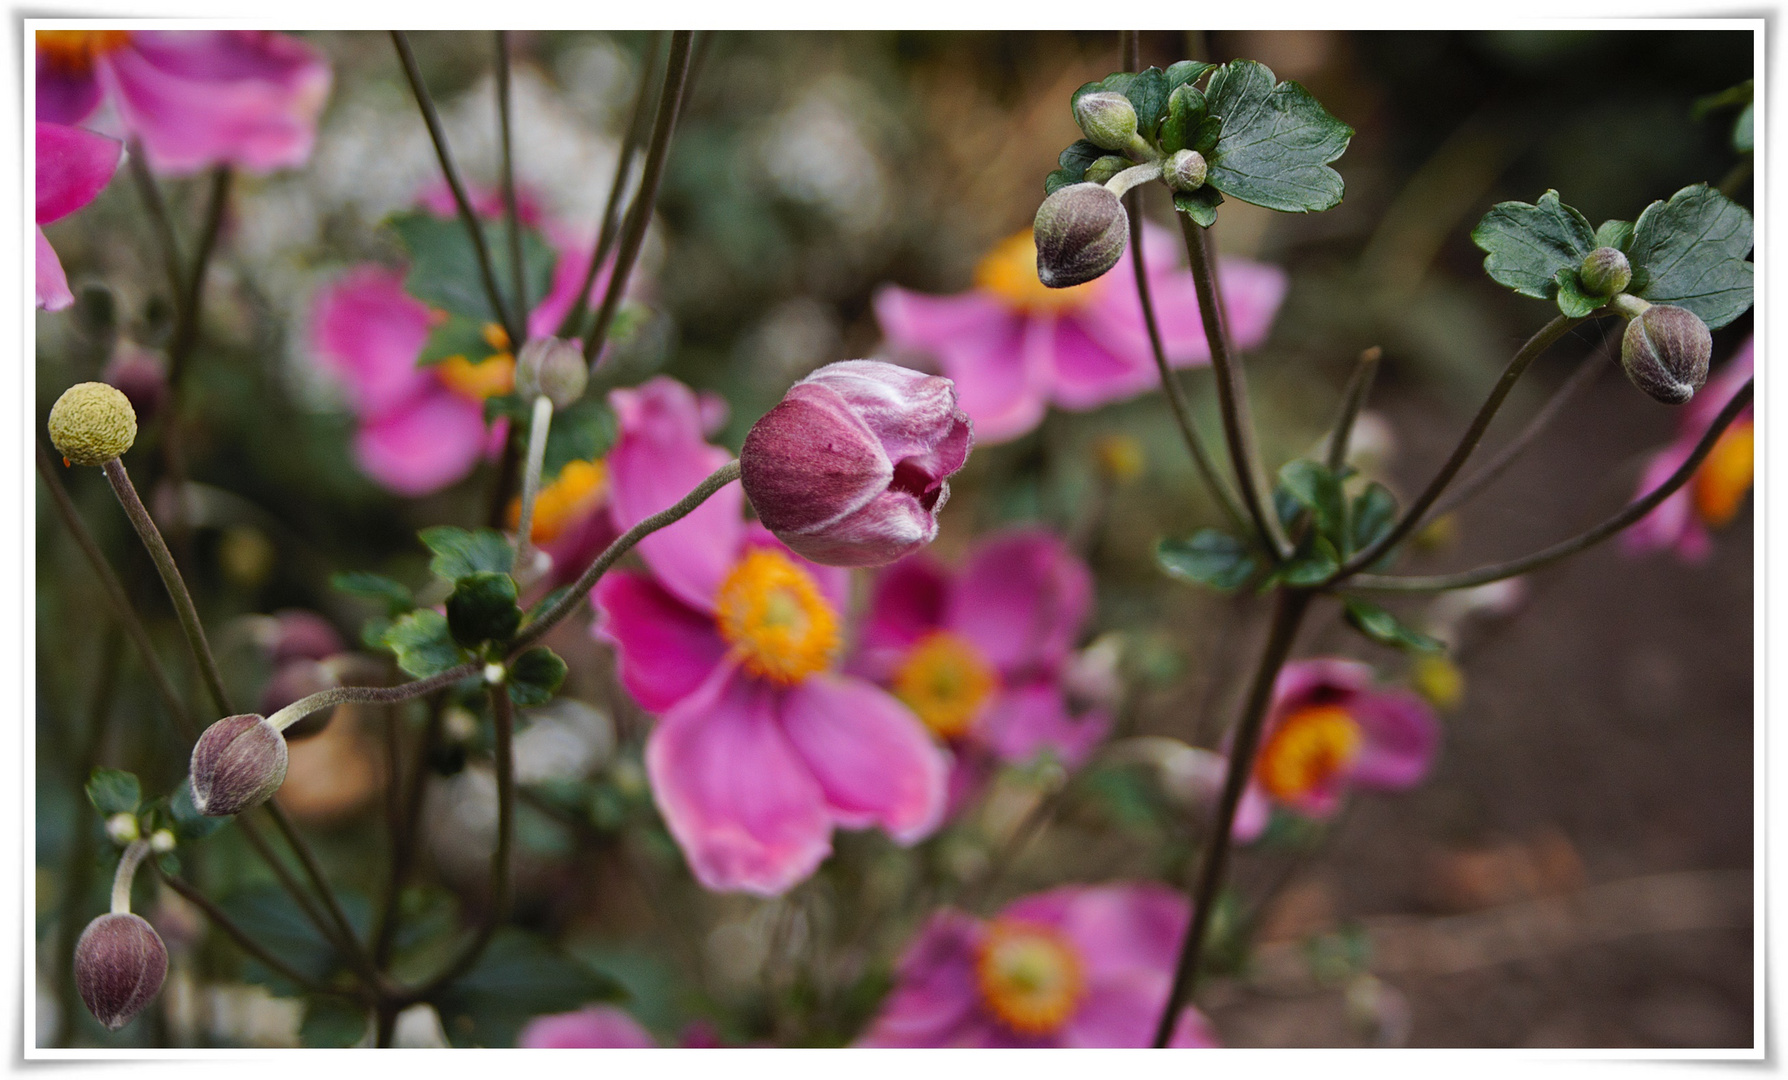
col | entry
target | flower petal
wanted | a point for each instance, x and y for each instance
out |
(936, 1000)
(1401, 737)
(1673, 523)
(871, 756)
(981, 346)
(1025, 719)
(368, 332)
(931, 323)
(907, 602)
(63, 96)
(1088, 374)
(52, 283)
(1117, 929)
(73, 165)
(422, 446)
(665, 648)
(598, 1027)
(1022, 599)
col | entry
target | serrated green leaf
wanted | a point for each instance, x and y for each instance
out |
(423, 644)
(1690, 252)
(188, 823)
(1210, 557)
(1277, 141)
(1200, 206)
(332, 1023)
(1073, 162)
(1317, 490)
(444, 269)
(1572, 301)
(1374, 512)
(583, 432)
(113, 791)
(397, 596)
(1148, 95)
(535, 676)
(483, 608)
(1525, 245)
(1185, 72)
(458, 552)
(1614, 234)
(520, 976)
(1383, 627)
(457, 335)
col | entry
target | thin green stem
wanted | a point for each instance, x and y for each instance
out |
(511, 211)
(1353, 399)
(639, 214)
(404, 839)
(1629, 515)
(539, 424)
(373, 695)
(1288, 615)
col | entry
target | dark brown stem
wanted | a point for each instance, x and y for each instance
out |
(246, 942)
(1353, 399)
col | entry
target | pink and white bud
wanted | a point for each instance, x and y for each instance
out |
(238, 763)
(119, 965)
(851, 468)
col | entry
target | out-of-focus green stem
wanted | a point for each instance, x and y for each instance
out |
(511, 211)
(538, 426)
(1353, 399)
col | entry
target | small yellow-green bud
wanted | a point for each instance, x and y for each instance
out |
(1108, 119)
(1184, 171)
(92, 423)
(1605, 271)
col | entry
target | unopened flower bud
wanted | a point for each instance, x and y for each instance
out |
(119, 965)
(162, 841)
(1605, 271)
(1081, 232)
(238, 763)
(1184, 171)
(554, 367)
(1665, 353)
(142, 375)
(851, 468)
(1105, 168)
(1108, 119)
(122, 828)
(92, 423)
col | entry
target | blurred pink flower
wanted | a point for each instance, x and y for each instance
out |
(599, 1027)
(1014, 347)
(1078, 966)
(761, 749)
(73, 165)
(196, 98)
(1714, 494)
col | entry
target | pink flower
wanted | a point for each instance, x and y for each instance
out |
(1078, 966)
(73, 165)
(601, 1027)
(1714, 494)
(761, 749)
(1330, 727)
(852, 466)
(1013, 347)
(196, 98)
(980, 654)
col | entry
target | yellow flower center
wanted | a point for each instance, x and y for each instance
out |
(1009, 271)
(945, 680)
(75, 50)
(1307, 750)
(490, 377)
(772, 614)
(1725, 475)
(1030, 976)
(577, 490)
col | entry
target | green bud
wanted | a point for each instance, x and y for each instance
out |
(553, 367)
(1105, 168)
(92, 423)
(1081, 231)
(1107, 118)
(1605, 271)
(1665, 352)
(1184, 171)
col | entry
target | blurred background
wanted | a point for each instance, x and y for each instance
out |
(1575, 872)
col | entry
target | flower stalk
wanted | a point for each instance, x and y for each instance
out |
(539, 424)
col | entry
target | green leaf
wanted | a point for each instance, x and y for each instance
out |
(372, 632)
(483, 608)
(444, 265)
(1614, 234)
(510, 405)
(267, 914)
(113, 791)
(1572, 300)
(535, 676)
(1185, 110)
(1315, 567)
(1185, 72)
(1200, 206)
(397, 596)
(1381, 626)
(1690, 252)
(458, 336)
(1317, 490)
(583, 432)
(1744, 138)
(422, 643)
(1211, 558)
(331, 1022)
(1374, 512)
(458, 552)
(1073, 161)
(188, 823)
(1148, 94)
(1204, 137)
(1526, 244)
(1276, 142)
(520, 976)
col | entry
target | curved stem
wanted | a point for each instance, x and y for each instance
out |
(1288, 614)
(246, 942)
(127, 872)
(1406, 524)
(639, 214)
(345, 938)
(371, 695)
(1122, 184)
(511, 212)
(539, 424)
(1630, 515)
(1353, 399)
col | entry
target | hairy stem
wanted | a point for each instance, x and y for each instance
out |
(511, 212)
(127, 872)
(539, 424)
(77, 870)
(186, 327)
(374, 695)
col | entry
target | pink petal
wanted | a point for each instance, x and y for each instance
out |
(196, 98)
(595, 1028)
(65, 97)
(1699, 414)
(73, 166)
(1119, 929)
(936, 1000)
(1673, 523)
(659, 458)
(907, 603)
(1316, 682)
(925, 323)
(1400, 739)
(368, 332)
(871, 756)
(1026, 719)
(424, 445)
(577, 547)
(1087, 374)
(568, 274)
(1118, 1012)
(739, 800)
(1002, 384)
(1252, 815)
(1022, 599)
(1252, 295)
(52, 283)
(665, 648)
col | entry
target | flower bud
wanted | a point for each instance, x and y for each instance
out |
(1605, 271)
(1105, 168)
(1081, 231)
(554, 367)
(119, 965)
(1665, 353)
(850, 469)
(92, 423)
(1184, 171)
(122, 828)
(1108, 119)
(142, 375)
(238, 763)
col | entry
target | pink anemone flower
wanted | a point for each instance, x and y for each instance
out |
(761, 749)
(1712, 497)
(599, 1027)
(980, 655)
(1014, 347)
(1078, 966)
(195, 98)
(73, 166)
(1330, 727)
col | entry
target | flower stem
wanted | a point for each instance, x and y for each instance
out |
(186, 327)
(1123, 182)
(1353, 399)
(1629, 515)
(374, 695)
(245, 941)
(639, 214)
(159, 219)
(511, 212)
(538, 426)
(404, 838)
(1288, 614)
(127, 872)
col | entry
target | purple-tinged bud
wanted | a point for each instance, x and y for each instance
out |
(119, 965)
(1107, 118)
(238, 763)
(1665, 352)
(851, 468)
(1081, 232)
(142, 375)
(1605, 271)
(1184, 171)
(553, 367)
